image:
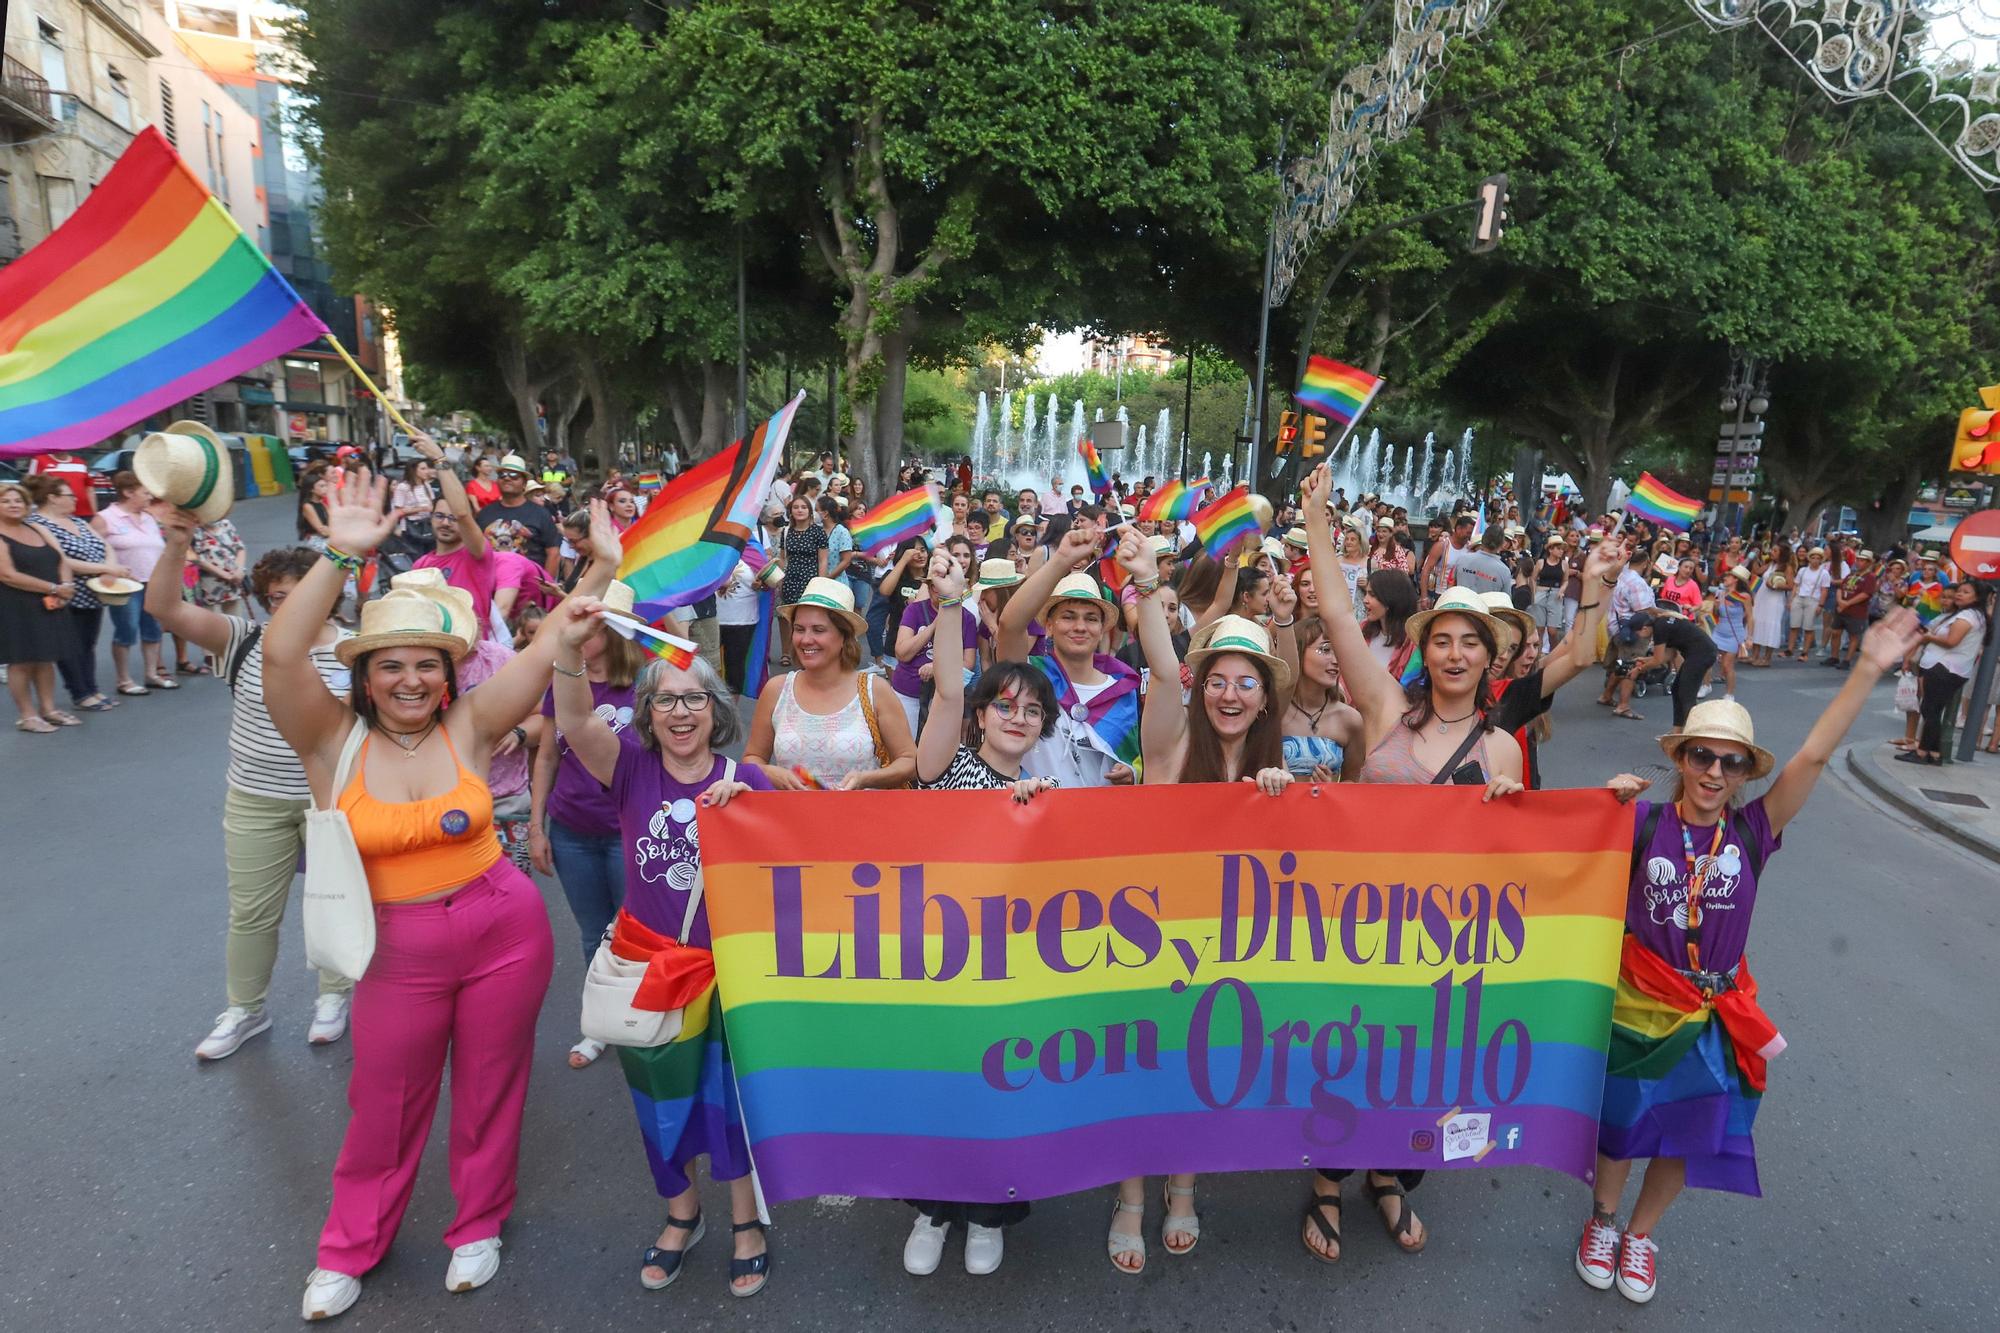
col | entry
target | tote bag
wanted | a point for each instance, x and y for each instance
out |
(338, 913)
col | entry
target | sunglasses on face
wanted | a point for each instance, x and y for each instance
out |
(1701, 759)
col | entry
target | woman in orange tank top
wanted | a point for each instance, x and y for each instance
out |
(463, 952)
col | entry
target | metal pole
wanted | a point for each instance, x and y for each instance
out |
(1263, 330)
(1982, 681)
(742, 340)
(1187, 414)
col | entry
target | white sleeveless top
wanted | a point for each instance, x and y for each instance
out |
(828, 746)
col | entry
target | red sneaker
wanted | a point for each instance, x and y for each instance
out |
(1638, 1272)
(1597, 1254)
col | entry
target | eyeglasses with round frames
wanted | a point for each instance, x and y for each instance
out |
(1217, 684)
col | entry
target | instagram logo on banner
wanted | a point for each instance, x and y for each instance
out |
(1423, 1140)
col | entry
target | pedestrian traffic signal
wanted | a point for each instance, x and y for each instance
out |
(1977, 448)
(1288, 431)
(1312, 436)
(1489, 224)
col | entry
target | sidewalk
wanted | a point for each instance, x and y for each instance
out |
(1960, 801)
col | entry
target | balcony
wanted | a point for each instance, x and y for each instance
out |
(98, 132)
(24, 96)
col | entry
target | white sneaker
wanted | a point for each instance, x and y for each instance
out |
(925, 1247)
(984, 1247)
(1730, 697)
(473, 1265)
(329, 1293)
(329, 1018)
(233, 1026)
(1705, 690)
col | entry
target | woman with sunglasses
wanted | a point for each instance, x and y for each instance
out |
(1689, 1042)
(1440, 730)
(1229, 729)
(974, 746)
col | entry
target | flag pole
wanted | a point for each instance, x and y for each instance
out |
(380, 397)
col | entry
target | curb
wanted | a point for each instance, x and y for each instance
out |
(1864, 770)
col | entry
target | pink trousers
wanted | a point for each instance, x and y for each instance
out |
(464, 974)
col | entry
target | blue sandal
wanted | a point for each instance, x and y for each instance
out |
(670, 1260)
(757, 1266)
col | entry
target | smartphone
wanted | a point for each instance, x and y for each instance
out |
(1468, 774)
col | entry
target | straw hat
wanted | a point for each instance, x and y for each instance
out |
(832, 596)
(771, 575)
(1382, 523)
(837, 479)
(188, 466)
(619, 597)
(1075, 588)
(1234, 634)
(513, 463)
(1296, 537)
(1025, 521)
(1456, 601)
(1720, 720)
(420, 610)
(1519, 622)
(1274, 548)
(1740, 574)
(1161, 546)
(114, 591)
(1556, 539)
(998, 573)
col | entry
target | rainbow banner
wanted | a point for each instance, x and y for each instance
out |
(995, 1002)
(1336, 391)
(1225, 522)
(1093, 467)
(688, 541)
(895, 520)
(1654, 499)
(149, 294)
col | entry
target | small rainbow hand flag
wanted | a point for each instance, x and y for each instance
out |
(649, 481)
(150, 293)
(896, 519)
(1222, 524)
(1174, 501)
(1661, 503)
(1093, 466)
(1336, 391)
(669, 648)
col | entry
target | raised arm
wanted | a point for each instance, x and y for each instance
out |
(455, 498)
(1882, 648)
(1034, 594)
(589, 736)
(1377, 695)
(1163, 723)
(164, 603)
(1579, 650)
(945, 726)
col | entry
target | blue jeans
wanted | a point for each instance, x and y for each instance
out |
(591, 867)
(879, 612)
(131, 622)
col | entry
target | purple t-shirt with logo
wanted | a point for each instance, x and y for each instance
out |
(662, 843)
(1656, 905)
(575, 797)
(904, 680)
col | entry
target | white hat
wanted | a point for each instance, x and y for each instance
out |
(1720, 720)
(1296, 537)
(1075, 588)
(113, 591)
(189, 467)
(420, 610)
(1520, 625)
(832, 596)
(513, 463)
(1235, 634)
(1160, 545)
(1456, 601)
(998, 573)
(619, 597)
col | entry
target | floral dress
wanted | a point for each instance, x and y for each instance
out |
(219, 545)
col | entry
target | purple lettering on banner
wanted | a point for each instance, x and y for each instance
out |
(1511, 916)
(1352, 918)
(1051, 1062)
(999, 917)
(993, 1065)
(1249, 1043)
(1332, 1118)
(1228, 919)
(788, 924)
(1136, 926)
(954, 934)
(1490, 1063)
(1049, 929)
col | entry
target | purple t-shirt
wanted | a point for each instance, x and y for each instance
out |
(1656, 905)
(575, 797)
(903, 680)
(662, 844)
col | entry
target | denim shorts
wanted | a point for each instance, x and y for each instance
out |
(132, 622)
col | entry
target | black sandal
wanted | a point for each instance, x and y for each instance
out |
(1316, 1207)
(757, 1265)
(669, 1261)
(1405, 1223)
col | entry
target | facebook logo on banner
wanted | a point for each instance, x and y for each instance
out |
(1508, 1136)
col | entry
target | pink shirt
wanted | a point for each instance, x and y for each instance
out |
(134, 538)
(511, 569)
(478, 577)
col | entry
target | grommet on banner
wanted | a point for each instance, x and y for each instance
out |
(1315, 791)
(1010, 1191)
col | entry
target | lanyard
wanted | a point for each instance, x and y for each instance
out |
(1695, 882)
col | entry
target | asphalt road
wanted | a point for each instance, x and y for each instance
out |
(143, 1191)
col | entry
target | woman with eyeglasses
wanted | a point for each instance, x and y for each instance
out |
(1229, 729)
(1689, 1042)
(974, 746)
(686, 1097)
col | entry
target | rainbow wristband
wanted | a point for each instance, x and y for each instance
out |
(946, 603)
(341, 559)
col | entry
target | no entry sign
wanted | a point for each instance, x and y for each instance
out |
(1975, 545)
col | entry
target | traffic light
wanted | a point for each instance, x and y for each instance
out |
(1977, 448)
(1288, 431)
(1490, 223)
(1312, 437)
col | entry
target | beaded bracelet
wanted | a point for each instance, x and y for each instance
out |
(1146, 587)
(351, 563)
(946, 603)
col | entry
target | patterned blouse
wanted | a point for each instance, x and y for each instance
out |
(78, 541)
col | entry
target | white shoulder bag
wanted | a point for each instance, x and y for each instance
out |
(339, 912)
(610, 982)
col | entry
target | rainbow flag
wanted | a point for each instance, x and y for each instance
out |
(757, 665)
(896, 519)
(1654, 499)
(149, 294)
(1223, 523)
(1336, 391)
(689, 539)
(1174, 501)
(915, 1038)
(647, 481)
(1926, 599)
(1093, 467)
(655, 639)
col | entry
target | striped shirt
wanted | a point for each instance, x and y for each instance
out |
(260, 762)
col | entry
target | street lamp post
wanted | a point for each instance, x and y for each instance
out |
(1747, 393)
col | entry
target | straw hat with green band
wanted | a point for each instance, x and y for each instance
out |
(1461, 602)
(1079, 588)
(420, 610)
(189, 467)
(832, 596)
(1235, 634)
(998, 573)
